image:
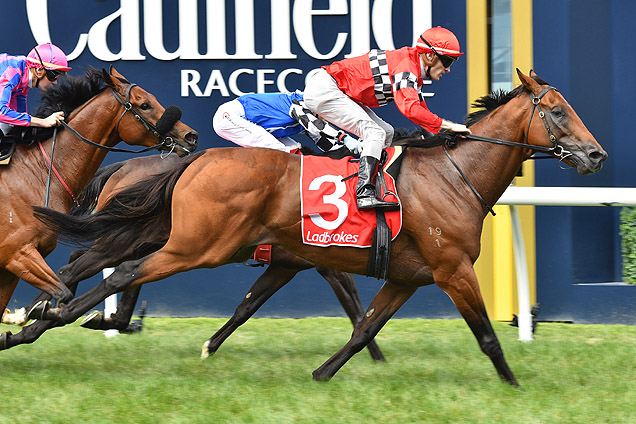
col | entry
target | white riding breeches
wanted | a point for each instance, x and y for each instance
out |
(229, 122)
(323, 97)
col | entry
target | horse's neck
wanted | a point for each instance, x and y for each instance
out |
(491, 167)
(75, 160)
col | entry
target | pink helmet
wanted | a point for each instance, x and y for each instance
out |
(52, 57)
(440, 41)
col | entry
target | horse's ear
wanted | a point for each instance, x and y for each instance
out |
(107, 78)
(528, 82)
(116, 74)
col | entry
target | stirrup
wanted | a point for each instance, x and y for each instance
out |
(372, 202)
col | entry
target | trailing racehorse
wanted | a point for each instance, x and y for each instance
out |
(102, 109)
(213, 222)
(112, 179)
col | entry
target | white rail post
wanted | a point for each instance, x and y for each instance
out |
(110, 304)
(551, 196)
(524, 319)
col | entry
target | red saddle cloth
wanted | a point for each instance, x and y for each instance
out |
(330, 216)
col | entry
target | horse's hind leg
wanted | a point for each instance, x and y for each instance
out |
(344, 286)
(274, 277)
(120, 319)
(388, 300)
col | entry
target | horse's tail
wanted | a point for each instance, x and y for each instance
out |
(87, 201)
(135, 216)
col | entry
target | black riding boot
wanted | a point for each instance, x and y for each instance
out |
(365, 190)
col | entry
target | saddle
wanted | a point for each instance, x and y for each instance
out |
(25, 136)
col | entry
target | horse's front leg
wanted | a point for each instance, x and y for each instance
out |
(29, 265)
(388, 300)
(462, 287)
(344, 286)
(33, 309)
(8, 282)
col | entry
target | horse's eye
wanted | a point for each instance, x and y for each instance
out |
(144, 106)
(558, 113)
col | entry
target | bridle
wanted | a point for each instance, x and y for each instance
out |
(556, 150)
(164, 141)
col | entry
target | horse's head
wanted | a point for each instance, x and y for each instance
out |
(573, 143)
(146, 122)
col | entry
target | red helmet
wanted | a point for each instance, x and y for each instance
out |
(438, 40)
(48, 55)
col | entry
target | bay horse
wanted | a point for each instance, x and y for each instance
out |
(226, 202)
(110, 180)
(102, 108)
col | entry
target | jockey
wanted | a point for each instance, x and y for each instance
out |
(269, 119)
(41, 68)
(344, 92)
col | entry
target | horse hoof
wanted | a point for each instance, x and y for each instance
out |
(320, 377)
(94, 320)
(17, 318)
(204, 351)
(4, 340)
(38, 310)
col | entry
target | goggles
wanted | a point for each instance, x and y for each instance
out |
(51, 74)
(446, 60)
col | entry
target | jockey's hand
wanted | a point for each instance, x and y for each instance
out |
(53, 120)
(456, 128)
(353, 144)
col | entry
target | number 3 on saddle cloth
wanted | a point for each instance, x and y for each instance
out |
(330, 215)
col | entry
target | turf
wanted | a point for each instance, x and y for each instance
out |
(434, 373)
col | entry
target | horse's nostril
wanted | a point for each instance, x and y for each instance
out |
(192, 137)
(597, 156)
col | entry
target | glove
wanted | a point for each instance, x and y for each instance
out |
(354, 145)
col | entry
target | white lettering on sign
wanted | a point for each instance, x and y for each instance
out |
(301, 21)
(241, 81)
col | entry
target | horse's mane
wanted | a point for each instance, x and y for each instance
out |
(71, 92)
(495, 99)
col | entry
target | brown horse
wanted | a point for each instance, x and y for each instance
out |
(225, 202)
(102, 108)
(110, 180)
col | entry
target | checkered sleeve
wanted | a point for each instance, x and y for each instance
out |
(410, 101)
(321, 132)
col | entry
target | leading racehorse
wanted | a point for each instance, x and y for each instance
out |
(102, 108)
(225, 202)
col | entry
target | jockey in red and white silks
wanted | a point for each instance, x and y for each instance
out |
(269, 119)
(344, 92)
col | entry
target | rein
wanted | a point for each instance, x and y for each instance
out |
(556, 150)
